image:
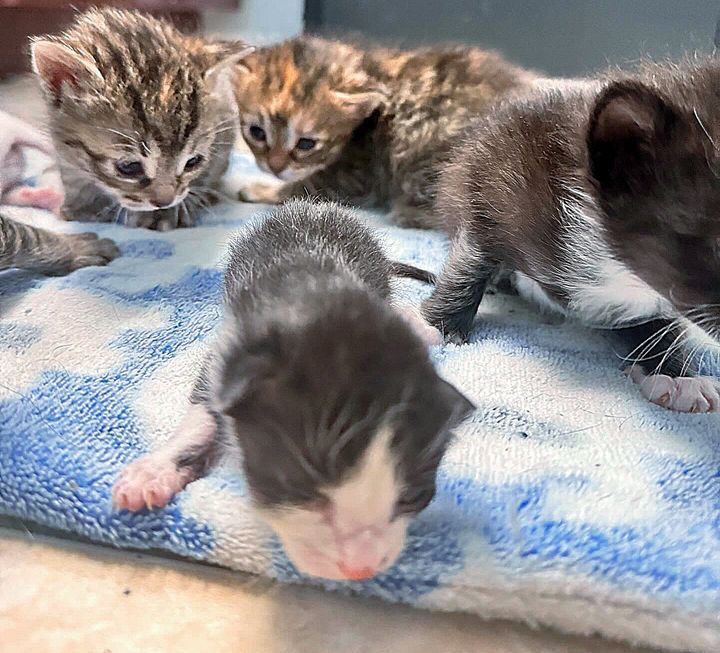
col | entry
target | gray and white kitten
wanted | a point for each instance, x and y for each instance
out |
(603, 198)
(142, 117)
(329, 391)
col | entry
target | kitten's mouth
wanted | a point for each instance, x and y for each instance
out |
(149, 206)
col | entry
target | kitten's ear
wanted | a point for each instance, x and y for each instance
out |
(455, 402)
(629, 126)
(239, 380)
(361, 104)
(58, 65)
(226, 59)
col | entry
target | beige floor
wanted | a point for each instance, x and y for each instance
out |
(58, 596)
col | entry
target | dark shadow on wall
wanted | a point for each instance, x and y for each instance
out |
(561, 37)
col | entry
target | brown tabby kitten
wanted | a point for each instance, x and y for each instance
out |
(141, 116)
(30, 248)
(369, 126)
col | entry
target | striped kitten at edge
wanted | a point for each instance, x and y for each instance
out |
(141, 116)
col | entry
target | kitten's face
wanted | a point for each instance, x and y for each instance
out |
(341, 443)
(141, 171)
(656, 158)
(299, 104)
(143, 123)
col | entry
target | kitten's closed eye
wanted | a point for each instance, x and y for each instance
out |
(413, 500)
(130, 169)
(306, 144)
(258, 133)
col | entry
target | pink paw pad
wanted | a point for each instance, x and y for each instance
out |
(149, 482)
(42, 198)
(683, 394)
(428, 334)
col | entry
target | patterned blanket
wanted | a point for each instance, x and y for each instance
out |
(566, 499)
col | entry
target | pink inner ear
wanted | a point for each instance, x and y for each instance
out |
(56, 66)
(56, 74)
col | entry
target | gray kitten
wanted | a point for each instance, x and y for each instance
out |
(141, 116)
(330, 393)
(603, 198)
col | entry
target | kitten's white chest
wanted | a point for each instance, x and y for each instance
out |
(615, 297)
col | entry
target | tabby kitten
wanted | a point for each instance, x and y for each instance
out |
(30, 248)
(141, 116)
(369, 126)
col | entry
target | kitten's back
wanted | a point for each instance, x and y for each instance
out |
(303, 240)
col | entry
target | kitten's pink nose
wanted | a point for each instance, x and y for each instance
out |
(359, 573)
(163, 197)
(277, 162)
(362, 554)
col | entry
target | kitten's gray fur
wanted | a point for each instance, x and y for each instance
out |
(309, 341)
(128, 93)
(23, 246)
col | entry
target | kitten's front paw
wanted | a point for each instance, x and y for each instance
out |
(260, 192)
(85, 250)
(150, 482)
(428, 334)
(160, 220)
(683, 394)
(452, 328)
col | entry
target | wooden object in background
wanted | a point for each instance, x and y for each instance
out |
(20, 19)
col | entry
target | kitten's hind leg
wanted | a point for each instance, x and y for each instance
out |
(155, 478)
(30, 248)
(660, 366)
(458, 292)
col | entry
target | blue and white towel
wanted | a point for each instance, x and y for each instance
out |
(567, 499)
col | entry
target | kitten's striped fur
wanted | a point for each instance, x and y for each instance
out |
(30, 248)
(141, 116)
(381, 119)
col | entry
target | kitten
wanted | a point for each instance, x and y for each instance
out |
(603, 198)
(141, 117)
(369, 126)
(330, 393)
(30, 248)
(24, 246)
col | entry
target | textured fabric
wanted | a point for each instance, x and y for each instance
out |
(566, 499)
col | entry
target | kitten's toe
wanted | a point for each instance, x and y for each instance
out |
(87, 250)
(448, 332)
(154, 220)
(149, 482)
(260, 192)
(428, 334)
(682, 394)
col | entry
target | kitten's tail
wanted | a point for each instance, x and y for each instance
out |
(411, 272)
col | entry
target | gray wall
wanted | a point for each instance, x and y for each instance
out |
(257, 21)
(561, 37)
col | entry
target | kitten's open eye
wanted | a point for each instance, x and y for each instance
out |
(193, 162)
(131, 169)
(306, 144)
(258, 133)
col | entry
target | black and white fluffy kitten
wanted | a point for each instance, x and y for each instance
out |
(341, 418)
(603, 198)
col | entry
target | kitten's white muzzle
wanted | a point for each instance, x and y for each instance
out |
(359, 556)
